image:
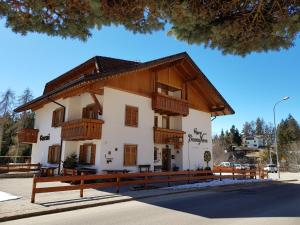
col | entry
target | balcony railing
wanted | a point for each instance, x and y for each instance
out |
(28, 135)
(82, 129)
(168, 136)
(169, 105)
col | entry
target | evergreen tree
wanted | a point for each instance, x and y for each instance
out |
(288, 133)
(236, 27)
(259, 126)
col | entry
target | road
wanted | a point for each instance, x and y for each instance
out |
(272, 204)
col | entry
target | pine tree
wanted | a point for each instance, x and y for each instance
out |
(235, 27)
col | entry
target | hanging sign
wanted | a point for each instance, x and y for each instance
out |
(199, 137)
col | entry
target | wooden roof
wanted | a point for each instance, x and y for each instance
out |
(102, 68)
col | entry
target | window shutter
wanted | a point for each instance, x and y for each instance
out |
(50, 154)
(56, 153)
(131, 116)
(54, 119)
(81, 154)
(127, 116)
(93, 154)
(134, 155)
(130, 155)
(135, 118)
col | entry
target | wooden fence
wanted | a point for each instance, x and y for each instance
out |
(118, 180)
(19, 167)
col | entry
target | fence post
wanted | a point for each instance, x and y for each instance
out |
(220, 174)
(259, 173)
(118, 184)
(168, 177)
(233, 173)
(81, 184)
(33, 189)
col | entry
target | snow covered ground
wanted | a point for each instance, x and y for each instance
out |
(6, 196)
(215, 183)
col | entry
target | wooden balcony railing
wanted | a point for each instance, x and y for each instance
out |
(28, 135)
(169, 105)
(82, 129)
(168, 136)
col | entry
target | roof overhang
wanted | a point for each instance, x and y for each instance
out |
(223, 108)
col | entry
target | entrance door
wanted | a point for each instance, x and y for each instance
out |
(166, 159)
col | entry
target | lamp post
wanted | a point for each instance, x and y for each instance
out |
(275, 131)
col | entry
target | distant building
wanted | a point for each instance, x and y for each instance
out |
(256, 141)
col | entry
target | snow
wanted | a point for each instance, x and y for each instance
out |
(215, 183)
(6, 196)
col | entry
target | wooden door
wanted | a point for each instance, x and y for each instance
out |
(166, 159)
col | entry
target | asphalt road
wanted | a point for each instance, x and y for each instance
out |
(273, 204)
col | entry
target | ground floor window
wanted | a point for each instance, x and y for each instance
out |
(130, 155)
(87, 154)
(155, 153)
(53, 154)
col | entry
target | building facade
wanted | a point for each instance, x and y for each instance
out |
(116, 114)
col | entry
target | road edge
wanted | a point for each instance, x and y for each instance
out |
(72, 208)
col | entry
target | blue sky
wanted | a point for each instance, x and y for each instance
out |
(251, 84)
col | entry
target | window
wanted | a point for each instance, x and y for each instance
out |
(58, 117)
(130, 155)
(87, 154)
(166, 122)
(164, 91)
(131, 116)
(155, 153)
(90, 112)
(53, 154)
(155, 121)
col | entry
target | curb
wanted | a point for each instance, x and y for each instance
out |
(72, 208)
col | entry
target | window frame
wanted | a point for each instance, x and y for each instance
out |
(83, 159)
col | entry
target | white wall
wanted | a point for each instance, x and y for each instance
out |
(43, 122)
(194, 152)
(115, 134)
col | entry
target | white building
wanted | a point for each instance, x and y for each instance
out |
(256, 141)
(117, 114)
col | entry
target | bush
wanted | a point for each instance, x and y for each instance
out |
(71, 161)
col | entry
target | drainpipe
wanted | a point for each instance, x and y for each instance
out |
(61, 140)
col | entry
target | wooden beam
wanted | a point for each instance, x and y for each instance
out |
(99, 106)
(217, 109)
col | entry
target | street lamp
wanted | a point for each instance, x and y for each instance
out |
(275, 131)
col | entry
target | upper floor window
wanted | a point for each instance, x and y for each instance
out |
(87, 154)
(58, 117)
(53, 154)
(166, 122)
(90, 112)
(131, 116)
(155, 121)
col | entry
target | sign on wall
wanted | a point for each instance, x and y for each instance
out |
(45, 137)
(197, 137)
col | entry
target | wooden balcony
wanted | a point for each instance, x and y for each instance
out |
(169, 105)
(82, 129)
(168, 136)
(28, 135)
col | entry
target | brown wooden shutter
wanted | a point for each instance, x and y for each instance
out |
(93, 154)
(134, 154)
(50, 154)
(127, 116)
(130, 155)
(54, 119)
(135, 116)
(56, 153)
